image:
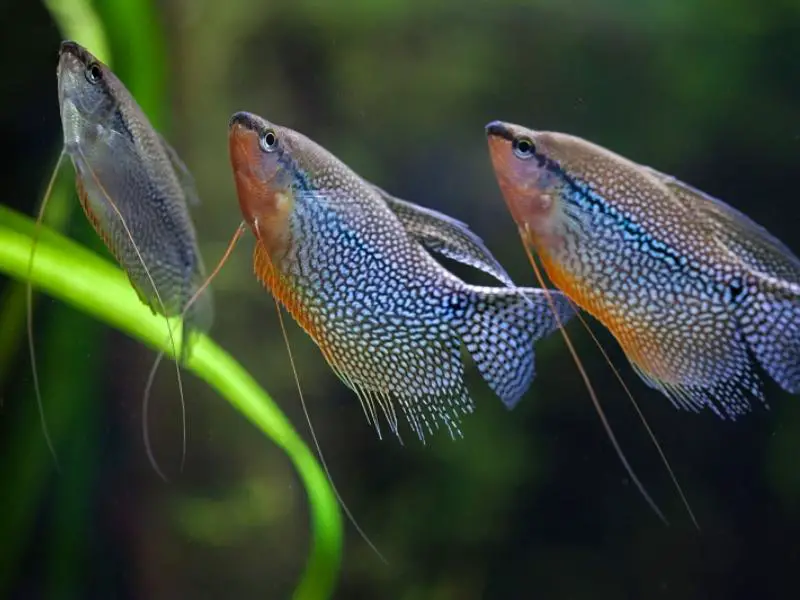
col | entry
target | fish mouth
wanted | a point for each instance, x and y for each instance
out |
(70, 47)
(70, 67)
(243, 148)
(72, 56)
(245, 120)
(244, 129)
(499, 129)
(243, 144)
(71, 63)
(245, 162)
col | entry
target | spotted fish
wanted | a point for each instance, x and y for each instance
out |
(352, 265)
(697, 294)
(132, 186)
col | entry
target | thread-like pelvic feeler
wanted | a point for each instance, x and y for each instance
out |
(163, 310)
(346, 510)
(152, 375)
(589, 388)
(29, 309)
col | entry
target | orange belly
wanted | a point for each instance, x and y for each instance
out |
(632, 339)
(276, 283)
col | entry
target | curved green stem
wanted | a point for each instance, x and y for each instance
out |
(90, 283)
(78, 21)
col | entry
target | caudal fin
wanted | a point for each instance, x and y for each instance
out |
(500, 330)
(770, 322)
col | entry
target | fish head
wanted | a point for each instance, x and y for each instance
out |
(265, 174)
(532, 170)
(87, 93)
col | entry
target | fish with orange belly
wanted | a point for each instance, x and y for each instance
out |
(695, 292)
(352, 266)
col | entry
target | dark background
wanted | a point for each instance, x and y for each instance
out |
(531, 503)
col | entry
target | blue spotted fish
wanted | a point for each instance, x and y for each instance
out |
(352, 265)
(697, 294)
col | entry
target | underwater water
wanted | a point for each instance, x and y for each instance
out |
(532, 502)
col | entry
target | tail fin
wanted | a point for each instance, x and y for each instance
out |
(770, 322)
(500, 330)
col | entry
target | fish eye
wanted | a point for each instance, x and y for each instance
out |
(523, 147)
(94, 73)
(268, 141)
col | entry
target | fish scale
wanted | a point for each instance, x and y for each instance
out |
(692, 289)
(350, 264)
(642, 315)
(132, 187)
(389, 315)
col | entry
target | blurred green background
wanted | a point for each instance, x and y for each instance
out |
(531, 503)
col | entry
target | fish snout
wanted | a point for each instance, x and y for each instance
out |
(252, 172)
(69, 63)
(500, 139)
(69, 47)
(245, 120)
(500, 153)
(243, 147)
(500, 130)
(72, 58)
(522, 182)
(243, 144)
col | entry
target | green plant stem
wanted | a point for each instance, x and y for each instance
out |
(70, 403)
(78, 21)
(12, 304)
(136, 40)
(82, 279)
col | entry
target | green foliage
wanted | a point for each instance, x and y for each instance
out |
(529, 502)
(78, 21)
(86, 281)
(69, 381)
(130, 31)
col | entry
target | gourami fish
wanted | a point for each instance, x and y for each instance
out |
(132, 186)
(134, 190)
(694, 291)
(351, 265)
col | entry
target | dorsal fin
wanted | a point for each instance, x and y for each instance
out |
(760, 251)
(185, 177)
(447, 236)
